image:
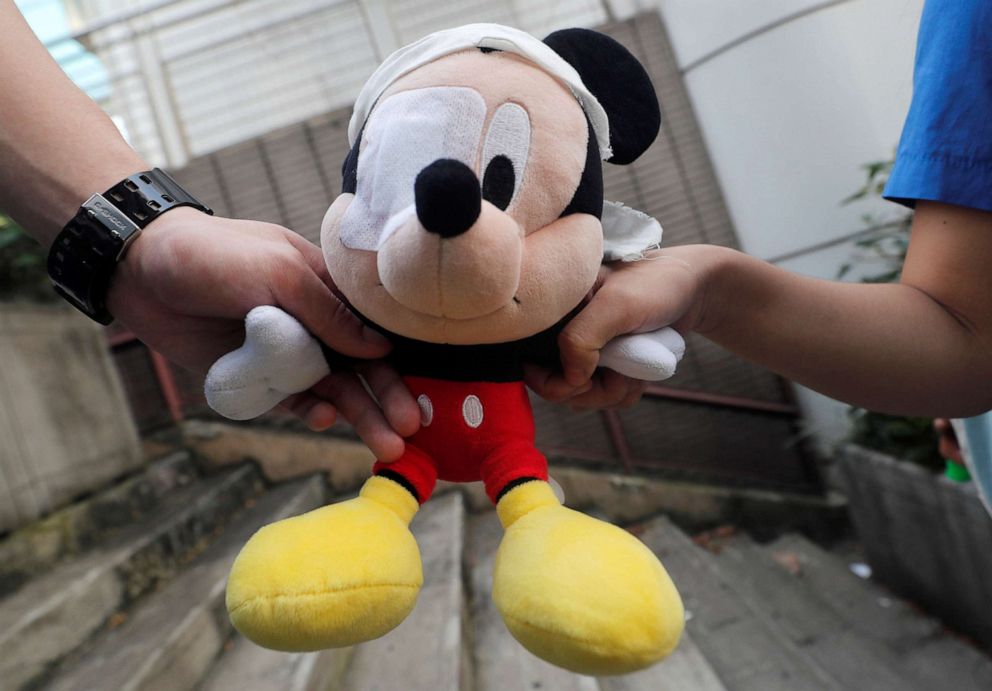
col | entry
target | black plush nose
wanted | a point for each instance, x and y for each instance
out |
(448, 197)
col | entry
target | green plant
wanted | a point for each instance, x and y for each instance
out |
(22, 265)
(908, 438)
(886, 244)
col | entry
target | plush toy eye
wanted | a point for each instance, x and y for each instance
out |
(498, 182)
(504, 154)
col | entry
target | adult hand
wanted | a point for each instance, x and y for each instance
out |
(663, 289)
(187, 282)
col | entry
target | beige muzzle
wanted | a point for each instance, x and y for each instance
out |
(470, 275)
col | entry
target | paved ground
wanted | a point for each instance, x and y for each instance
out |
(140, 606)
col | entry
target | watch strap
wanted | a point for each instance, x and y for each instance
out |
(143, 197)
(81, 263)
(83, 258)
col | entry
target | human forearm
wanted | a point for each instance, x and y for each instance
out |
(890, 348)
(923, 346)
(57, 146)
(188, 280)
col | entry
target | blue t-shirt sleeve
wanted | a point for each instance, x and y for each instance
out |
(945, 153)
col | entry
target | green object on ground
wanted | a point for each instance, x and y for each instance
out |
(957, 472)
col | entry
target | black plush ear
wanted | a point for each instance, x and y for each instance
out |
(621, 85)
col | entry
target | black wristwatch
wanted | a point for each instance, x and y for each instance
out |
(84, 255)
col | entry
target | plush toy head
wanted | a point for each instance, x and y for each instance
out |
(473, 191)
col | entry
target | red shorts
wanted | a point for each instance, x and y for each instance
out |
(469, 431)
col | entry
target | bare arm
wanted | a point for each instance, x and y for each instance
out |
(55, 143)
(922, 346)
(186, 284)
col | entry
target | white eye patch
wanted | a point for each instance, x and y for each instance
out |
(407, 132)
(508, 137)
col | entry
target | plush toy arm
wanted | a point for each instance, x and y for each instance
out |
(279, 358)
(650, 356)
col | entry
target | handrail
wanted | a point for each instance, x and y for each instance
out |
(721, 400)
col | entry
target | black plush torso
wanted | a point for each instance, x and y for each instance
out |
(493, 362)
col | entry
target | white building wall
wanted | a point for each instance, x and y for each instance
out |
(792, 97)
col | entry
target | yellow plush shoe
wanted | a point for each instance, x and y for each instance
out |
(578, 592)
(333, 577)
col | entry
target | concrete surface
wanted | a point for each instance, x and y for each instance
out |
(787, 616)
(59, 611)
(65, 425)
(281, 454)
(170, 641)
(69, 531)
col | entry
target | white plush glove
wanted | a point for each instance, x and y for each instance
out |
(649, 357)
(279, 358)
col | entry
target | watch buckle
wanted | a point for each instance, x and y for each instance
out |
(113, 219)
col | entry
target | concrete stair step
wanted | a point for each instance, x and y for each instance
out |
(72, 530)
(245, 666)
(502, 663)
(170, 641)
(921, 645)
(741, 641)
(429, 650)
(686, 669)
(54, 614)
(800, 611)
(499, 662)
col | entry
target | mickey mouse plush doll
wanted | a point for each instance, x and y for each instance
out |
(470, 227)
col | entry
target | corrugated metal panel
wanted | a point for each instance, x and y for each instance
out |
(145, 399)
(301, 187)
(578, 430)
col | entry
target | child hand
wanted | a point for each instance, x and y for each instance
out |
(666, 288)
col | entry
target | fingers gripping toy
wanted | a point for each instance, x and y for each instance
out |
(470, 227)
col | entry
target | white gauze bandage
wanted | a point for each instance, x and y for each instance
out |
(408, 131)
(495, 36)
(627, 232)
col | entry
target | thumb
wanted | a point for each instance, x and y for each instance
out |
(312, 255)
(597, 324)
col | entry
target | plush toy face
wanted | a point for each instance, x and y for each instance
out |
(452, 229)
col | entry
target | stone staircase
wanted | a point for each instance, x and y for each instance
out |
(124, 591)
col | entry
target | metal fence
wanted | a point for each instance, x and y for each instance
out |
(720, 419)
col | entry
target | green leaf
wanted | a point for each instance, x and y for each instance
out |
(8, 238)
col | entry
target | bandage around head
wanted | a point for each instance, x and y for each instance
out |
(627, 232)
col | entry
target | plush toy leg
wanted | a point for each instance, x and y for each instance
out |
(579, 592)
(336, 576)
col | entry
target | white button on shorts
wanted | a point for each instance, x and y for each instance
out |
(426, 410)
(472, 411)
